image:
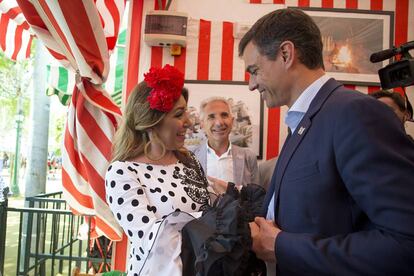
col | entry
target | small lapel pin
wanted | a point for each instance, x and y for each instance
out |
(301, 130)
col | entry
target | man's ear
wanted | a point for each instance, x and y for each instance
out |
(287, 49)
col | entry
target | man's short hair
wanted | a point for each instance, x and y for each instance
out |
(210, 100)
(281, 25)
(394, 96)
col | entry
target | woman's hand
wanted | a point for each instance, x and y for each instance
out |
(219, 186)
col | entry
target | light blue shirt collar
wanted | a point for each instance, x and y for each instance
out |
(301, 105)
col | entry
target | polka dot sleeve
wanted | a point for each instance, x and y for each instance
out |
(128, 201)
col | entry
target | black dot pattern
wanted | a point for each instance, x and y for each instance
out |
(141, 196)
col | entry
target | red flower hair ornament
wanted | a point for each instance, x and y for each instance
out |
(166, 84)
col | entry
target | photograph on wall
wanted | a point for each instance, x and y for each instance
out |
(349, 38)
(247, 110)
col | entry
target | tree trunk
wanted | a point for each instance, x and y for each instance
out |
(35, 180)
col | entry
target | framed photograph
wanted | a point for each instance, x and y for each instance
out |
(349, 38)
(247, 109)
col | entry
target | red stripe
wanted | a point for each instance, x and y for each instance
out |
(179, 61)
(246, 76)
(203, 50)
(29, 45)
(327, 3)
(55, 25)
(83, 33)
(30, 13)
(107, 229)
(255, 1)
(401, 21)
(156, 7)
(121, 253)
(56, 55)
(273, 127)
(303, 3)
(278, 1)
(97, 97)
(372, 89)
(73, 154)
(95, 180)
(351, 4)
(13, 12)
(156, 56)
(17, 42)
(227, 52)
(92, 128)
(376, 5)
(4, 21)
(134, 46)
(83, 200)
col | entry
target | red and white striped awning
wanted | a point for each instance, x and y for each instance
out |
(15, 37)
(81, 35)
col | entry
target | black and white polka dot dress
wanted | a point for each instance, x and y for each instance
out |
(141, 195)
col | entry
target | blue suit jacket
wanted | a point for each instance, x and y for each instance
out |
(344, 190)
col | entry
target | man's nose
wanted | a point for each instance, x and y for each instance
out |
(252, 83)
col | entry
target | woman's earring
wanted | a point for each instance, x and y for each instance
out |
(154, 140)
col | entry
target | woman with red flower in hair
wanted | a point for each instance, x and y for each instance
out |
(154, 186)
(152, 174)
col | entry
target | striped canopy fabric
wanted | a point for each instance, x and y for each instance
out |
(81, 34)
(15, 37)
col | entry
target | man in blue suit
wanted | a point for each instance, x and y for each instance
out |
(341, 199)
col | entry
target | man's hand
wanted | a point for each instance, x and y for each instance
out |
(219, 186)
(264, 234)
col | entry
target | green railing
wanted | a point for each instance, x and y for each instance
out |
(48, 241)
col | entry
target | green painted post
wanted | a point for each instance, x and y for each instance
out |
(19, 120)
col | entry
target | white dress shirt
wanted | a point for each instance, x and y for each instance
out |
(220, 167)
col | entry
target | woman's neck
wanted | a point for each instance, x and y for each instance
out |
(168, 159)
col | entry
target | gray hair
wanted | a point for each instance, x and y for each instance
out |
(205, 102)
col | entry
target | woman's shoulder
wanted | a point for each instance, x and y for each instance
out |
(122, 169)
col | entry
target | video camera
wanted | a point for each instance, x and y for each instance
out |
(399, 73)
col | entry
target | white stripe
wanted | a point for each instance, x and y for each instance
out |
(25, 41)
(238, 63)
(315, 3)
(106, 16)
(102, 120)
(167, 58)
(73, 202)
(110, 82)
(339, 4)
(10, 34)
(363, 89)
(389, 5)
(216, 44)
(291, 3)
(192, 49)
(364, 4)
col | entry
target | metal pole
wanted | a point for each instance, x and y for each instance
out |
(19, 119)
(3, 223)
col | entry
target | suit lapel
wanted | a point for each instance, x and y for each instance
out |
(203, 157)
(238, 165)
(300, 132)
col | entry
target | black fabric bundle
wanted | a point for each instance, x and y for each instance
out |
(219, 242)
